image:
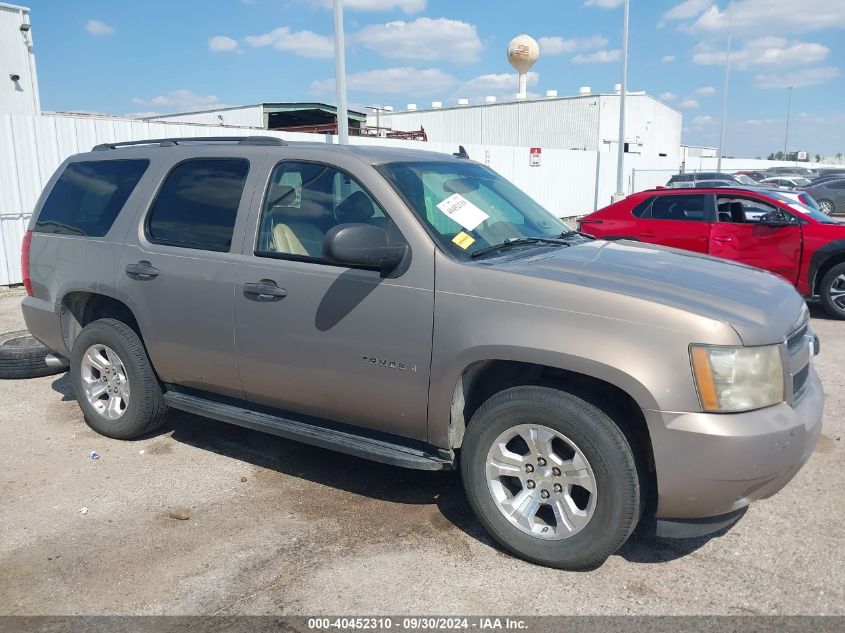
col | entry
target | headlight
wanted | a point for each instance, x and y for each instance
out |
(731, 379)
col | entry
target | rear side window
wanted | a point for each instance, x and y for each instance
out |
(643, 210)
(690, 208)
(88, 196)
(198, 204)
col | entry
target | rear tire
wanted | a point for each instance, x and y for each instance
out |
(573, 527)
(114, 382)
(833, 291)
(826, 207)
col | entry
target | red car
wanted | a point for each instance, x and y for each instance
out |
(766, 230)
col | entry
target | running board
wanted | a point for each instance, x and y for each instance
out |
(377, 450)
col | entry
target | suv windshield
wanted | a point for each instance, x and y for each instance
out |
(467, 207)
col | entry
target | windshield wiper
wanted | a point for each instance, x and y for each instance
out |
(573, 233)
(518, 241)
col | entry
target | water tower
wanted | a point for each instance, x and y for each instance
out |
(523, 52)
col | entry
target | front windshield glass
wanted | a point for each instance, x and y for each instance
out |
(467, 206)
(745, 180)
(804, 210)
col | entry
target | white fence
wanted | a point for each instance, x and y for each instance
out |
(567, 182)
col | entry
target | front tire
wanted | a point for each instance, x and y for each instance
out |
(114, 382)
(833, 291)
(551, 477)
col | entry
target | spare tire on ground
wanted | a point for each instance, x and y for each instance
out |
(22, 356)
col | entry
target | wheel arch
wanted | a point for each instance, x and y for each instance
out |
(482, 379)
(825, 258)
(81, 307)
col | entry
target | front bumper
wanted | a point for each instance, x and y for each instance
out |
(709, 465)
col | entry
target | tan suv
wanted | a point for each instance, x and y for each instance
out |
(417, 309)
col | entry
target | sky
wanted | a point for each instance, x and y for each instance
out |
(160, 56)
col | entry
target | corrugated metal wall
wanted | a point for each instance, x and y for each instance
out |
(567, 182)
(583, 123)
(17, 58)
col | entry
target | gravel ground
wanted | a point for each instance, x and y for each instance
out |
(276, 527)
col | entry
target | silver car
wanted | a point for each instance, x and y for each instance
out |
(830, 195)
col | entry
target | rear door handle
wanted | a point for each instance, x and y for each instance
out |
(264, 290)
(142, 271)
(723, 239)
(648, 235)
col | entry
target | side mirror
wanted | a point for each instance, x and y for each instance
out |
(775, 219)
(362, 245)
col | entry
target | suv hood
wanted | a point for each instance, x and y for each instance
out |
(760, 306)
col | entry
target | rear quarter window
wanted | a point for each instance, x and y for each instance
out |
(88, 196)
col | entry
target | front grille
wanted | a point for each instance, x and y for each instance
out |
(799, 381)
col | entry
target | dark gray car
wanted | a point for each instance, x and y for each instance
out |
(417, 309)
(830, 194)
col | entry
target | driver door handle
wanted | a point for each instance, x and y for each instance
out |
(142, 271)
(264, 290)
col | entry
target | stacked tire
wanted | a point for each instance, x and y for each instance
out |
(22, 356)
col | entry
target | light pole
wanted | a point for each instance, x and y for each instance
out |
(340, 75)
(620, 160)
(725, 86)
(788, 109)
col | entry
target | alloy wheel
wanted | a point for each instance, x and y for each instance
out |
(105, 382)
(837, 292)
(541, 481)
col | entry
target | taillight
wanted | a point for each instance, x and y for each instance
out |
(27, 281)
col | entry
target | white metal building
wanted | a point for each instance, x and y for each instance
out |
(584, 122)
(18, 81)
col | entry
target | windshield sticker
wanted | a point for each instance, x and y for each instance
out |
(462, 211)
(463, 240)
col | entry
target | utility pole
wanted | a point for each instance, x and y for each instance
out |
(788, 109)
(340, 75)
(725, 86)
(620, 161)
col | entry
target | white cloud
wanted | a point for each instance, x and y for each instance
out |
(604, 4)
(408, 6)
(497, 84)
(599, 57)
(667, 58)
(797, 78)
(423, 39)
(705, 91)
(703, 120)
(222, 44)
(95, 27)
(763, 52)
(302, 43)
(555, 45)
(686, 10)
(409, 81)
(774, 16)
(688, 104)
(180, 101)
(667, 96)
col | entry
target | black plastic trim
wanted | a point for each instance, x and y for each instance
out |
(831, 249)
(379, 447)
(696, 528)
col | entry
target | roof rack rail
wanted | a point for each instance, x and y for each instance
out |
(170, 142)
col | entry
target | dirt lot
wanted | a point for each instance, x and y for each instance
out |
(314, 532)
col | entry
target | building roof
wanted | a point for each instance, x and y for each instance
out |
(494, 104)
(272, 107)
